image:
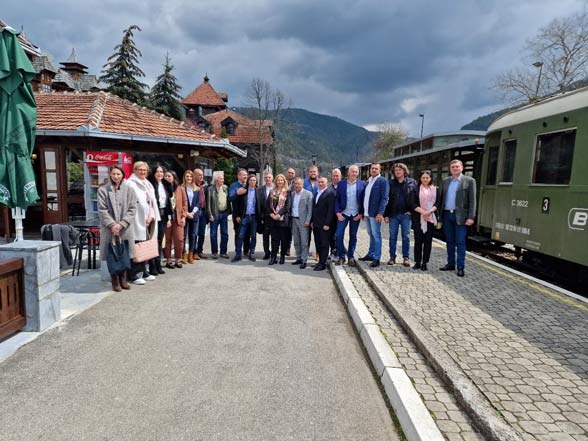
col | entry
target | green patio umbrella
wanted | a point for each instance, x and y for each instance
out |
(18, 118)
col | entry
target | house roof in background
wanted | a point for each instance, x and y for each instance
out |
(204, 95)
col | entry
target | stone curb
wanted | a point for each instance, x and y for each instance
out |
(416, 421)
(473, 401)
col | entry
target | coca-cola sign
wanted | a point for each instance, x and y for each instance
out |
(102, 156)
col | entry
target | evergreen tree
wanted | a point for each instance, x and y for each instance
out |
(121, 73)
(165, 96)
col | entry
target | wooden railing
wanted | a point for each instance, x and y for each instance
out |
(12, 299)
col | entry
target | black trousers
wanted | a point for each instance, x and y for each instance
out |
(267, 232)
(161, 227)
(279, 240)
(423, 243)
(321, 241)
(246, 242)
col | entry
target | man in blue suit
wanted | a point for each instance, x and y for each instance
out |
(374, 203)
(349, 209)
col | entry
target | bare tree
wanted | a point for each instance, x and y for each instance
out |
(560, 50)
(269, 107)
(391, 135)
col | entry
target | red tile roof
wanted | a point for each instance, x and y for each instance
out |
(204, 95)
(101, 112)
(247, 131)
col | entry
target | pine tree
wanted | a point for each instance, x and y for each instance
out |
(165, 96)
(121, 73)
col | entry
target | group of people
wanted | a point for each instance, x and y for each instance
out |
(152, 204)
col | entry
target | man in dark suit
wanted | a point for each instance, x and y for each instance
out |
(246, 214)
(323, 212)
(335, 179)
(264, 226)
(374, 203)
(238, 189)
(458, 200)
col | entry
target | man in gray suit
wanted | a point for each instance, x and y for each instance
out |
(458, 199)
(301, 215)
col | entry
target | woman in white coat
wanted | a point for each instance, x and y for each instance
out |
(145, 222)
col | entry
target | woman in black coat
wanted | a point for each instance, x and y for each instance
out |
(163, 197)
(426, 206)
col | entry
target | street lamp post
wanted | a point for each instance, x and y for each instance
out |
(538, 64)
(314, 159)
(422, 116)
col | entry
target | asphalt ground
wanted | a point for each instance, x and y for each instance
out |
(214, 351)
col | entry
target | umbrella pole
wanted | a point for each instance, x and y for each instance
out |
(18, 214)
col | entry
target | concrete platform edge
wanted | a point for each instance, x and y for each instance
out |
(416, 421)
(473, 401)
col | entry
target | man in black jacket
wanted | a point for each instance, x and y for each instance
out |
(246, 214)
(323, 212)
(398, 213)
(264, 226)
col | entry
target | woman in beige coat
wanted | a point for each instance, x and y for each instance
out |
(117, 206)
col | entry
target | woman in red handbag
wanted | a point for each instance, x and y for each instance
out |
(117, 206)
(144, 224)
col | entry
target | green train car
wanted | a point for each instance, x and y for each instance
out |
(534, 185)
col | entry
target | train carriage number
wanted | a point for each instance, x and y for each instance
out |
(520, 203)
(545, 205)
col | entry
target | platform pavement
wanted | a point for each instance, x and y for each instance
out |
(214, 351)
(522, 345)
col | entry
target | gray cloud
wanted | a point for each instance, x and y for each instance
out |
(365, 61)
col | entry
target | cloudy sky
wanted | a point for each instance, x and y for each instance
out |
(366, 61)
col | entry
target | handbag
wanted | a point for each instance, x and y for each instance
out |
(146, 250)
(117, 258)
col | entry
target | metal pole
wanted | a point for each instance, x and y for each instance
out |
(538, 80)
(422, 115)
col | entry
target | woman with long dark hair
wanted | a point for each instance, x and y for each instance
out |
(117, 206)
(278, 206)
(175, 234)
(424, 219)
(163, 194)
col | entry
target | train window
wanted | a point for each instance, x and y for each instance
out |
(492, 165)
(553, 157)
(508, 161)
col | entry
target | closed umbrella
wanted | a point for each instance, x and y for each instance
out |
(18, 118)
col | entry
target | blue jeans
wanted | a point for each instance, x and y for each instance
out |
(402, 221)
(191, 233)
(221, 220)
(248, 228)
(202, 221)
(455, 237)
(340, 235)
(375, 233)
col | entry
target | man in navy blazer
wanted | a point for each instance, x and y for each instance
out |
(374, 203)
(349, 209)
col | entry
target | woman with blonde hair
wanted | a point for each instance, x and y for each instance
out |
(175, 234)
(193, 205)
(278, 207)
(145, 222)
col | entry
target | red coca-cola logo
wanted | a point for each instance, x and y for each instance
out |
(102, 156)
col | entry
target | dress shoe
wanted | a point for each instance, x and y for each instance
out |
(424, 267)
(339, 262)
(273, 260)
(447, 268)
(170, 265)
(252, 258)
(179, 265)
(297, 262)
(375, 263)
(196, 256)
(392, 261)
(202, 256)
(224, 256)
(366, 258)
(282, 260)
(416, 266)
(214, 256)
(266, 256)
(319, 267)
(352, 263)
(460, 273)
(303, 265)
(406, 262)
(236, 259)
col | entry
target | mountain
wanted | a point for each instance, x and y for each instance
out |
(334, 141)
(483, 122)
